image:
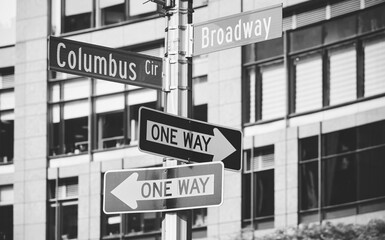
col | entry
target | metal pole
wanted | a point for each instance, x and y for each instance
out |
(177, 98)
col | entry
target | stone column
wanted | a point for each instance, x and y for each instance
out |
(30, 149)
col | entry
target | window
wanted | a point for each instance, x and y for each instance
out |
(200, 112)
(112, 11)
(69, 113)
(258, 188)
(7, 105)
(265, 84)
(77, 15)
(346, 177)
(330, 63)
(6, 212)
(199, 223)
(308, 87)
(70, 15)
(147, 225)
(63, 209)
(374, 59)
(7, 22)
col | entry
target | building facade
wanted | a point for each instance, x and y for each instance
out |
(311, 106)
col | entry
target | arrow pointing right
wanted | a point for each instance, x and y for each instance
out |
(216, 144)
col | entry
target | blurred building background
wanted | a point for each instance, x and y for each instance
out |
(311, 105)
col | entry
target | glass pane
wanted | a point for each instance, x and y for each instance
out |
(343, 79)
(111, 225)
(77, 22)
(134, 119)
(246, 196)
(372, 19)
(308, 148)
(269, 49)
(6, 194)
(76, 135)
(371, 135)
(74, 7)
(339, 142)
(200, 112)
(273, 91)
(55, 93)
(134, 223)
(55, 142)
(251, 98)
(340, 29)
(105, 87)
(76, 109)
(52, 222)
(308, 83)
(7, 22)
(151, 222)
(306, 38)
(6, 222)
(7, 100)
(76, 89)
(6, 141)
(309, 185)
(109, 103)
(113, 14)
(110, 130)
(248, 53)
(199, 217)
(55, 18)
(264, 199)
(374, 54)
(340, 180)
(371, 170)
(69, 222)
(7, 77)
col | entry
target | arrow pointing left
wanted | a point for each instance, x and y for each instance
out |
(130, 191)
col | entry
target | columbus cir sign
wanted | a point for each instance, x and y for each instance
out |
(104, 63)
(238, 30)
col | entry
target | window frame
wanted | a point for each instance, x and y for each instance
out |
(358, 38)
(346, 208)
(9, 72)
(56, 203)
(256, 222)
(96, 17)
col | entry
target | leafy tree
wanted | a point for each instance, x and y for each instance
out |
(374, 230)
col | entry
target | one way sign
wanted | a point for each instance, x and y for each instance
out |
(173, 188)
(188, 139)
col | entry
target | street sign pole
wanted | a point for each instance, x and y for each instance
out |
(177, 97)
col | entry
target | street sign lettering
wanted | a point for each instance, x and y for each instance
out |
(163, 189)
(104, 63)
(188, 139)
(238, 30)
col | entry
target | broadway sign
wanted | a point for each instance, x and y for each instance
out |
(104, 63)
(237, 30)
(163, 189)
(188, 139)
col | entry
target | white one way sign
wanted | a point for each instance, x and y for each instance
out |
(163, 189)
